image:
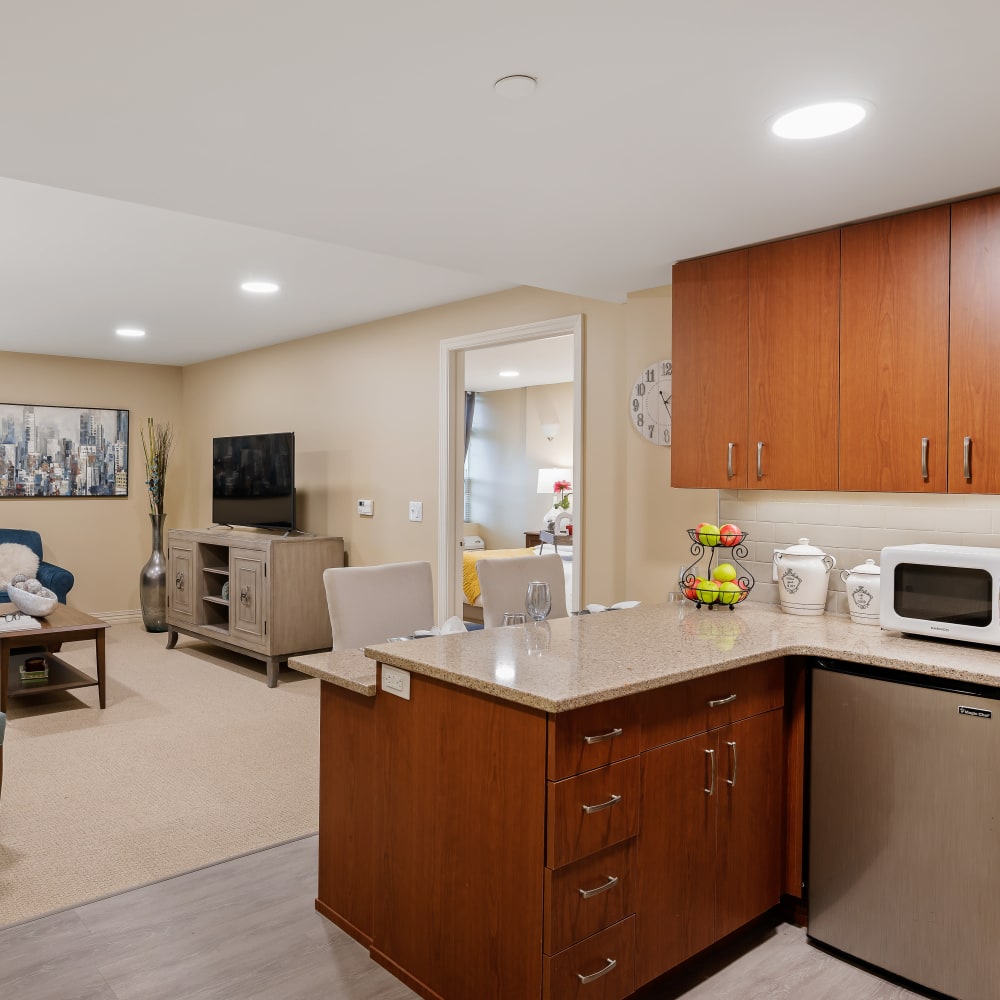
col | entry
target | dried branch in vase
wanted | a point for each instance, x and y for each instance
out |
(157, 440)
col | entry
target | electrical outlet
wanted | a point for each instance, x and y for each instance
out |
(366, 508)
(416, 510)
(396, 681)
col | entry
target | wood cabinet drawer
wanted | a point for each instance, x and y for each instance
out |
(590, 737)
(584, 898)
(678, 711)
(599, 968)
(592, 811)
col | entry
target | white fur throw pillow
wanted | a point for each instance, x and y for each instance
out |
(16, 558)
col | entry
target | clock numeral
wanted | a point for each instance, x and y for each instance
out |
(666, 436)
(635, 405)
(650, 374)
(640, 389)
(638, 420)
(666, 369)
(652, 429)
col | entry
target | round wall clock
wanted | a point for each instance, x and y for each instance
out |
(649, 404)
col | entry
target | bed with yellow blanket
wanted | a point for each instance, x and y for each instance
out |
(473, 607)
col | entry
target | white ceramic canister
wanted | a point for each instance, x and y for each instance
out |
(863, 592)
(803, 573)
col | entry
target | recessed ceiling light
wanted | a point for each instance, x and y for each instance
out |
(508, 374)
(260, 287)
(130, 331)
(818, 120)
(516, 85)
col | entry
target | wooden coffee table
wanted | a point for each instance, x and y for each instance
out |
(63, 625)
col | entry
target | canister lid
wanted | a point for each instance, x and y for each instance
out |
(803, 549)
(868, 567)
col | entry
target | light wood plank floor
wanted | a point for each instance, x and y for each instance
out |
(247, 929)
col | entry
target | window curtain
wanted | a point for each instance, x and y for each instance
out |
(470, 410)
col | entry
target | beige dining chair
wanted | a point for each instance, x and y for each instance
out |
(369, 604)
(504, 582)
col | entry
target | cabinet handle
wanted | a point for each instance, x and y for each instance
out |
(967, 458)
(732, 753)
(588, 893)
(710, 789)
(716, 702)
(924, 446)
(245, 596)
(602, 805)
(179, 581)
(729, 459)
(760, 464)
(597, 975)
(609, 735)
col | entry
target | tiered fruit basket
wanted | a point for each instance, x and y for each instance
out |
(728, 549)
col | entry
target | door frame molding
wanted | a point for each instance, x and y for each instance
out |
(451, 446)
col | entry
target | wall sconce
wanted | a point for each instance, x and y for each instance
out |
(550, 430)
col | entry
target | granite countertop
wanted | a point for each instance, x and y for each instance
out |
(566, 663)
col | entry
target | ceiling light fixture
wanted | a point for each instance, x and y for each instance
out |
(818, 120)
(508, 374)
(516, 85)
(260, 287)
(130, 331)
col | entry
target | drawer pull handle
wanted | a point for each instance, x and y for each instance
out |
(612, 962)
(716, 702)
(732, 751)
(710, 787)
(588, 893)
(609, 735)
(602, 805)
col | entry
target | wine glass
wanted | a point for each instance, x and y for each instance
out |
(538, 600)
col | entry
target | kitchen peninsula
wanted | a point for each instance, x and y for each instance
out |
(577, 807)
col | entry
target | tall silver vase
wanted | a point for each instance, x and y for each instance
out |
(153, 581)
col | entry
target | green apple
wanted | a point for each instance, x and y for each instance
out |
(730, 592)
(708, 591)
(708, 534)
(724, 572)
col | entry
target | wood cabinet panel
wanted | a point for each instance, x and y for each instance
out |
(246, 595)
(180, 580)
(460, 841)
(710, 338)
(585, 897)
(591, 811)
(975, 347)
(589, 737)
(794, 348)
(566, 973)
(894, 353)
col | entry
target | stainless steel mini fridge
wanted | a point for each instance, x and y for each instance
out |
(904, 826)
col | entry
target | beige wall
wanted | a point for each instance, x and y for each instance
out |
(103, 541)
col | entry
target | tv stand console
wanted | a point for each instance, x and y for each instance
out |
(251, 592)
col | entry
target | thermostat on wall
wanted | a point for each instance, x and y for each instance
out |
(366, 507)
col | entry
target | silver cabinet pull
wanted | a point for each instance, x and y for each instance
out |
(245, 597)
(924, 446)
(609, 735)
(588, 893)
(760, 465)
(710, 788)
(967, 458)
(716, 702)
(602, 805)
(729, 459)
(179, 580)
(597, 975)
(732, 753)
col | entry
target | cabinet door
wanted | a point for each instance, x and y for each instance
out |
(794, 351)
(894, 353)
(709, 410)
(246, 595)
(974, 467)
(180, 580)
(675, 905)
(749, 798)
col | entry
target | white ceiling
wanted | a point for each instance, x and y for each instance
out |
(537, 362)
(358, 153)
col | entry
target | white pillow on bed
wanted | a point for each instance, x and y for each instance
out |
(16, 558)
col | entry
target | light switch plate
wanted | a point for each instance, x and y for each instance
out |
(416, 510)
(366, 508)
(396, 681)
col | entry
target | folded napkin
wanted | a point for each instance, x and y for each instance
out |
(452, 625)
(620, 606)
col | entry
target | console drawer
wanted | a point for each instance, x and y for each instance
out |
(592, 736)
(608, 957)
(587, 896)
(592, 811)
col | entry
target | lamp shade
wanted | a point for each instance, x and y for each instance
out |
(547, 478)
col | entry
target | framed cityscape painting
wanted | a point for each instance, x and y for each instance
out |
(62, 451)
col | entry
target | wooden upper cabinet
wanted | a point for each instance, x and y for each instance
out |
(794, 363)
(709, 411)
(974, 467)
(894, 353)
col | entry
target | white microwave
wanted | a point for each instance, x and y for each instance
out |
(946, 591)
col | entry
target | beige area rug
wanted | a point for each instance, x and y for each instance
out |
(193, 761)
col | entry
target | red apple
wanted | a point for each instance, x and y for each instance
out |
(730, 534)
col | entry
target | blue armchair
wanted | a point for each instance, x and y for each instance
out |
(58, 580)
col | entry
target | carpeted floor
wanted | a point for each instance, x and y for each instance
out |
(194, 760)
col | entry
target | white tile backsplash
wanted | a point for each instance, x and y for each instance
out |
(853, 527)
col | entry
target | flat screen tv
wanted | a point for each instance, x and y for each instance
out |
(253, 480)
